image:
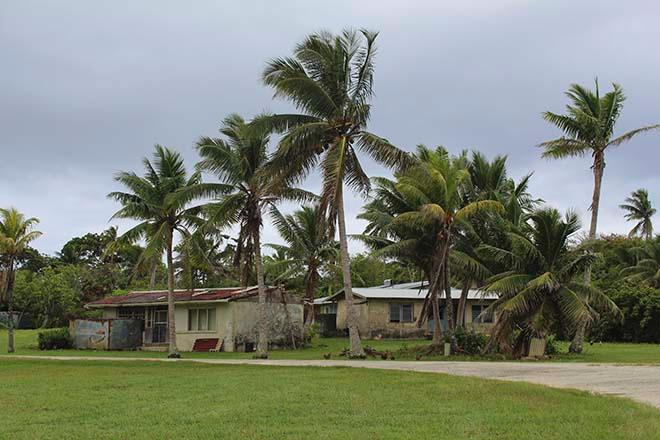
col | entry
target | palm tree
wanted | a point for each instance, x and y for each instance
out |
(541, 281)
(308, 247)
(588, 128)
(246, 188)
(639, 209)
(438, 185)
(647, 266)
(16, 232)
(159, 201)
(330, 80)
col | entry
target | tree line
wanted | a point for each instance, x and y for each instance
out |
(453, 220)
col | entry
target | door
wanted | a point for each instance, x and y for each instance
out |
(160, 327)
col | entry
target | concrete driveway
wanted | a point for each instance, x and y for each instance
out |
(637, 382)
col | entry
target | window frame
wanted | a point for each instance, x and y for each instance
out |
(399, 307)
(209, 314)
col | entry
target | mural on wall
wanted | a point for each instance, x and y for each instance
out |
(90, 334)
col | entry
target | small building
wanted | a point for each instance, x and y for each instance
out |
(392, 310)
(224, 319)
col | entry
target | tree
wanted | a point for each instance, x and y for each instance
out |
(588, 128)
(308, 246)
(16, 233)
(329, 79)
(246, 188)
(541, 283)
(647, 267)
(638, 208)
(160, 200)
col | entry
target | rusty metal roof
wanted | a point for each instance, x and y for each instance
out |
(180, 295)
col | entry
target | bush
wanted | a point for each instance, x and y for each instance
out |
(551, 345)
(55, 339)
(640, 306)
(470, 342)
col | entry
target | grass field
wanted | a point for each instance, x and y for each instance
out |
(104, 400)
(26, 343)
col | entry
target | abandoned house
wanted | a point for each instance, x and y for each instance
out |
(391, 310)
(223, 319)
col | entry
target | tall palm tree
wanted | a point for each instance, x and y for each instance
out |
(638, 208)
(647, 266)
(438, 185)
(246, 188)
(160, 200)
(16, 233)
(588, 128)
(542, 281)
(329, 79)
(308, 247)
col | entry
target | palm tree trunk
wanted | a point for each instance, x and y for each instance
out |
(460, 315)
(351, 314)
(310, 288)
(437, 340)
(10, 306)
(171, 317)
(449, 308)
(262, 342)
(577, 344)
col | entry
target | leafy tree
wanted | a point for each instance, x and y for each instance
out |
(647, 267)
(160, 200)
(329, 79)
(52, 297)
(246, 188)
(308, 246)
(540, 285)
(16, 233)
(588, 128)
(638, 208)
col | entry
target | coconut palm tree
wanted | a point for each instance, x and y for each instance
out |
(542, 281)
(308, 247)
(438, 184)
(647, 266)
(329, 79)
(246, 188)
(16, 233)
(588, 128)
(638, 208)
(160, 201)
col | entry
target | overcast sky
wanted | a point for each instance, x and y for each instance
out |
(88, 87)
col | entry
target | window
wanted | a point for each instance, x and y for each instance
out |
(201, 320)
(401, 312)
(329, 309)
(476, 311)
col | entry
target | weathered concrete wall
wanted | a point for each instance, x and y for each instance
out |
(362, 310)
(185, 339)
(89, 334)
(374, 318)
(285, 325)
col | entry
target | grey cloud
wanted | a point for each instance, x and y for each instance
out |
(86, 88)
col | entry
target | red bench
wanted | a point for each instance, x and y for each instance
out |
(205, 344)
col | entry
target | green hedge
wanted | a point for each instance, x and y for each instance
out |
(55, 339)
(640, 306)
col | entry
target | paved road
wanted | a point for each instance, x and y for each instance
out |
(637, 382)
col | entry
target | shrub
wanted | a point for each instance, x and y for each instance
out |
(551, 345)
(640, 306)
(470, 342)
(55, 339)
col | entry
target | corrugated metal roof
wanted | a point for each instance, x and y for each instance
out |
(180, 295)
(404, 291)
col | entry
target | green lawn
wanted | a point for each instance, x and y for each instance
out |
(105, 400)
(26, 343)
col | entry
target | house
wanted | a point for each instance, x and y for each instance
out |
(220, 319)
(391, 310)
